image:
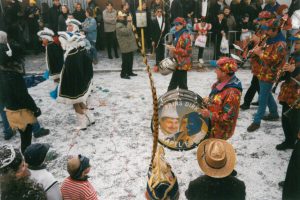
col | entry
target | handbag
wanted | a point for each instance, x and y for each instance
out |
(201, 41)
(224, 47)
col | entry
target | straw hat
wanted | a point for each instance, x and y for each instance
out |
(216, 157)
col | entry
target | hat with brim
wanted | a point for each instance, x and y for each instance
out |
(46, 34)
(216, 158)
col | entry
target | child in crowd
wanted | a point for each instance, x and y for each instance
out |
(202, 27)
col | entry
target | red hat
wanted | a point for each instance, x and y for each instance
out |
(265, 15)
(180, 20)
(227, 65)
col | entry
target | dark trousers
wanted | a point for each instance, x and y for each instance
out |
(290, 124)
(179, 79)
(200, 52)
(26, 137)
(292, 180)
(127, 62)
(111, 41)
(159, 53)
(254, 87)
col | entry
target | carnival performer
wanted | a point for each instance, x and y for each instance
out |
(21, 110)
(181, 50)
(272, 58)
(224, 100)
(76, 78)
(289, 95)
(263, 17)
(54, 54)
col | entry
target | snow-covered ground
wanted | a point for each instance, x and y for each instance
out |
(120, 143)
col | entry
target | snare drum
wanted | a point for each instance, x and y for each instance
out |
(181, 127)
(167, 66)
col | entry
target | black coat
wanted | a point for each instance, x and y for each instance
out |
(54, 13)
(208, 188)
(156, 32)
(62, 26)
(176, 10)
(79, 15)
(291, 186)
(218, 27)
(13, 91)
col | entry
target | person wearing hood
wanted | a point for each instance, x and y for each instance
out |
(224, 100)
(77, 186)
(35, 156)
(272, 58)
(181, 50)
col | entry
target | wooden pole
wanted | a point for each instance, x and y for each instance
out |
(142, 29)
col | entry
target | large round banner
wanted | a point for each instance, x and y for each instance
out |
(181, 127)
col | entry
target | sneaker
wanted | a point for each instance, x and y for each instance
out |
(42, 132)
(132, 74)
(255, 104)
(253, 127)
(244, 106)
(270, 118)
(281, 184)
(284, 145)
(201, 61)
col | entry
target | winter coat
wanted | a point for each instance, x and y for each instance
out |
(288, 91)
(50, 185)
(231, 23)
(54, 13)
(79, 15)
(62, 26)
(273, 58)
(208, 188)
(126, 38)
(224, 107)
(90, 28)
(110, 20)
(176, 10)
(183, 50)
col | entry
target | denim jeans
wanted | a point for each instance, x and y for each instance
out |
(265, 99)
(6, 126)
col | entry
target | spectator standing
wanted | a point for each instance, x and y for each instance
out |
(176, 10)
(235, 7)
(153, 6)
(216, 8)
(15, 182)
(79, 13)
(158, 31)
(45, 15)
(35, 156)
(219, 29)
(54, 13)
(77, 186)
(230, 20)
(249, 8)
(62, 26)
(245, 27)
(89, 26)
(216, 159)
(110, 21)
(271, 6)
(32, 14)
(127, 43)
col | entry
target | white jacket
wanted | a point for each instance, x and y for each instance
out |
(47, 180)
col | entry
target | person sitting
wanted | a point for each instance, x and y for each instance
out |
(35, 155)
(14, 180)
(77, 186)
(216, 159)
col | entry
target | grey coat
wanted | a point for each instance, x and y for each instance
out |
(110, 20)
(126, 38)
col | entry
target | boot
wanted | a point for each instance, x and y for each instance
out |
(82, 121)
(90, 117)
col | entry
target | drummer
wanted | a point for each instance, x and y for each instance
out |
(224, 100)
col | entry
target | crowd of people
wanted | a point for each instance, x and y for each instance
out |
(70, 40)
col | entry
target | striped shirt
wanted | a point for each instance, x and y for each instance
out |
(78, 190)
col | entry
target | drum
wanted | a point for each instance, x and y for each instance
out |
(181, 127)
(167, 66)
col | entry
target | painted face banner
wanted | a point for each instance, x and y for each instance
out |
(181, 127)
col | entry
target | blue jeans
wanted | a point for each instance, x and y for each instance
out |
(265, 99)
(35, 127)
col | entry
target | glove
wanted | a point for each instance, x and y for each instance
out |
(37, 113)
